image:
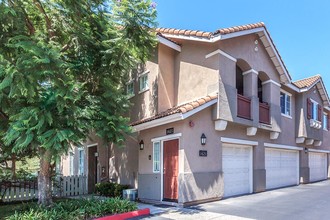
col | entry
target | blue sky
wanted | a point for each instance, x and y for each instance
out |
(300, 29)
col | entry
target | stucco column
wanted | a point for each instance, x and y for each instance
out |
(259, 171)
(271, 95)
(227, 89)
(304, 167)
(250, 80)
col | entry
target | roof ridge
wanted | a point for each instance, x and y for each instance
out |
(209, 34)
(309, 77)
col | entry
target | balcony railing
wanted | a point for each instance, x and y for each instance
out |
(264, 113)
(243, 107)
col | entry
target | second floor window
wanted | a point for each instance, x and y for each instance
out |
(285, 103)
(130, 89)
(315, 110)
(325, 121)
(143, 82)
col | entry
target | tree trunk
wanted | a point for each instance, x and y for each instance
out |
(44, 178)
(13, 166)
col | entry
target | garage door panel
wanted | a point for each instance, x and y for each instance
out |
(281, 168)
(317, 166)
(237, 169)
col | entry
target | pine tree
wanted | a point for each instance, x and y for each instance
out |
(63, 66)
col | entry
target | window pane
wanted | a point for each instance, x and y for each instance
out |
(288, 105)
(282, 99)
(156, 157)
(81, 162)
(143, 82)
(325, 121)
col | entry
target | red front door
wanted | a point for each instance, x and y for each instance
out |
(171, 156)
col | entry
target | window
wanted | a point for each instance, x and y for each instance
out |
(315, 115)
(130, 89)
(156, 157)
(143, 82)
(285, 103)
(71, 163)
(81, 161)
(325, 121)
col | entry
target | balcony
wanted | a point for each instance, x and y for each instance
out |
(243, 107)
(264, 113)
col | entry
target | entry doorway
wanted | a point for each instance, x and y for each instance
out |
(92, 168)
(170, 170)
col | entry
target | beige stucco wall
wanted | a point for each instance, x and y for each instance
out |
(196, 75)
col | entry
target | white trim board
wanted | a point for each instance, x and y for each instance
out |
(167, 137)
(92, 145)
(318, 151)
(238, 141)
(271, 81)
(168, 43)
(218, 51)
(284, 147)
(250, 71)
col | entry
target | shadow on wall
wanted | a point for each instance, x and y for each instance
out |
(123, 163)
(201, 186)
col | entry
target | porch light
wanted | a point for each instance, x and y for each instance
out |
(203, 139)
(141, 145)
(306, 150)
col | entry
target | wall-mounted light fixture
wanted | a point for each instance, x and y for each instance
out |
(306, 150)
(96, 154)
(203, 139)
(141, 145)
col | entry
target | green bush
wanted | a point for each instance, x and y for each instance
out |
(110, 189)
(75, 209)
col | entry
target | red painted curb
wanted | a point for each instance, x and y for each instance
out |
(126, 215)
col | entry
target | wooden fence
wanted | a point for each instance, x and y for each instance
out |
(72, 186)
(18, 190)
(25, 190)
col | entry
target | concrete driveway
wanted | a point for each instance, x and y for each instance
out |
(311, 201)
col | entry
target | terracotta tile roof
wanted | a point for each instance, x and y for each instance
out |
(197, 33)
(307, 82)
(184, 108)
(184, 32)
(222, 31)
(239, 28)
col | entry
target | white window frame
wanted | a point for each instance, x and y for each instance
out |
(132, 93)
(154, 161)
(144, 86)
(286, 94)
(315, 110)
(71, 165)
(325, 119)
(81, 165)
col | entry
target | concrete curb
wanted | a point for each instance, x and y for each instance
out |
(126, 215)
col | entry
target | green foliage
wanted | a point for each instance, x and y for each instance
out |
(74, 209)
(63, 68)
(110, 189)
(5, 175)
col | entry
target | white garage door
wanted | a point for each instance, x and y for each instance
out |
(237, 169)
(282, 168)
(317, 166)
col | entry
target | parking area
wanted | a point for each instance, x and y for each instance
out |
(310, 201)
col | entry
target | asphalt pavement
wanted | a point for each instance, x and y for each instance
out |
(310, 201)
